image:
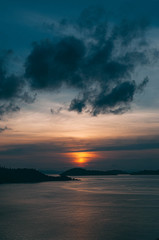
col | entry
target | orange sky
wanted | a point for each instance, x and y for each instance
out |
(44, 140)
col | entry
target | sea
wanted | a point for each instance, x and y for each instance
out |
(94, 208)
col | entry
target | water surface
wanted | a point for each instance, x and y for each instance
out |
(95, 208)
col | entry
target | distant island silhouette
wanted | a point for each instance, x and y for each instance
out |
(85, 172)
(24, 175)
(146, 172)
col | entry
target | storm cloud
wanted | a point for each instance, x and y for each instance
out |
(97, 59)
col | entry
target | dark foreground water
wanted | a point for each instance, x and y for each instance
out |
(95, 208)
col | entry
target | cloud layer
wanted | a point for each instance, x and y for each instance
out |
(96, 58)
(123, 153)
(90, 55)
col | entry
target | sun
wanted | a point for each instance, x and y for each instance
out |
(82, 158)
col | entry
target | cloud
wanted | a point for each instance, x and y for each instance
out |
(7, 108)
(3, 129)
(50, 64)
(35, 148)
(101, 69)
(142, 85)
(10, 84)
(77, 105)
(56, 111)
(13, 88)
(123, 152)
(128, 145)
(68, 145)
(96, 58)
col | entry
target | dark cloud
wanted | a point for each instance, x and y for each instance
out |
(28, 97)
(3, 129)
(10, 85)
(97, 59)
(128, 145)
(77, 105)
(50, 64)
(7, 108)
(122, 94)
(116, 101)
(67, 145)
(29, 149)
(143, 84)
(13, 88)
(56, 111)
(99, 62)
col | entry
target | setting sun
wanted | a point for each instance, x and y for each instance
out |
(82, 158)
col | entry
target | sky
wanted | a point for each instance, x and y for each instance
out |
(79, 84)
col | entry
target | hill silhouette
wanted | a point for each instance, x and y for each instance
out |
(24, 175)
(84, 172)
(146, 172)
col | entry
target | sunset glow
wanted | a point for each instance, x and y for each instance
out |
(82, 158)
(85, 94)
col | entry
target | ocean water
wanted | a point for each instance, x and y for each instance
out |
(95, 208)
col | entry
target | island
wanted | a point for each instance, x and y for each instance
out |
(146, 172)
(25, 175)
(85, 172)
